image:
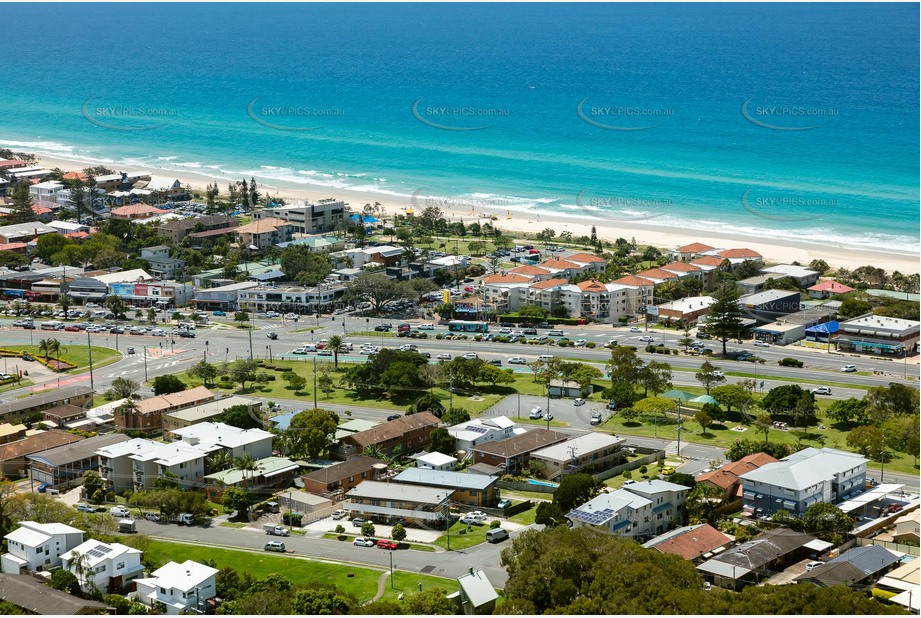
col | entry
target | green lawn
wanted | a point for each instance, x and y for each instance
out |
(299, 570)
(526, 518)
(78, 355)
(15, 385)
(473, 535)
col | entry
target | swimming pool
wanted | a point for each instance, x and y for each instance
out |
(544, 483)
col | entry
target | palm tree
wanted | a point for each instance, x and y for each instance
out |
(116, 305)
(81, 565)
(152, 315)
(217, 461)
(44, 347)
(65, 302)
(246, 463)
(335, 342)
(55, 348)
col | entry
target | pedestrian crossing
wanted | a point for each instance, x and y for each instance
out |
(151, 366)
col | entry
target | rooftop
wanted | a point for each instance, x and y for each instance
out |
(525, 443)
(689, 542)
(212, 408)
(35, 444)
(340, 471)
(603, 508)
(37, 597)
(189, 397)
(695, 247)
(831, 286)
(393, 429)
(805, 468)
(212, 435)
(881, 322)
(443, 478)
(633, 280)
(185, 576)
(266, 467)
(376, 490)
(578, 447)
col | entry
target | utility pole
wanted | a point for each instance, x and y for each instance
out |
(314, 381)
(519, 403)
(679, 430)
(882, 459)
(145, 363)
(250, 333)
(451, 389)
(89, 350)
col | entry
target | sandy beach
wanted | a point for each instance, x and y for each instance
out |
(607, 228)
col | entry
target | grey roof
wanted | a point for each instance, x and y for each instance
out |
(581, 446)
(476, 587)
(443, 478)
(399, 491)
(355, 465)
(651, 487)
(805, 468)
(484, 468)
(852, 566)
(767, 296)
(34, 596)
(764, 549)
(40, 399)
(78, 451)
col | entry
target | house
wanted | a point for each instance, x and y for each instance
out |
(405, 435)
(828, 288)
(136, 464)
(667, 499)
(479, 430)
(13, 455)
(908, 528)
(710, 266)
(263, 233)
(770, 305)
(178, 229)
(617, 512)
(475, 595)
(687, 252)
(657, 275)
(36, 597)
(107, 567)
(211, 437)
(475, 490)
(904, 581)
(880, 335)
(63, 467)
(383, 255)
(69, 227)
(147, 415)
(435, 461)
(726, 477)
(514, 454)
(684, 270)
(46, 191)
(695, 543)
(386, 502)
(43, 400)
(767, 553)
(136, 212)
(854, 567)
(308, 218)
(334, 481)
(804, 277)
(206, 412)
(185, 587)
(684, 311)
(11, 433)
(35, 546)
(62, 414)
(737, 256)
(268, 475)
(569, 388)
(161, 264)
(589, 452)
(349, 427)
(796, 482)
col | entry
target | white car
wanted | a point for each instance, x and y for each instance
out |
(339, 514)
(761, 344)
(647, 338)
(301, 350)
(444, 356)
(470, 355)
(821, 390)
(634, 329)
(849, 368)
(578, 402)
(363, 542)
(426, 327)
(291, 316)
(517, 360)
(536, 413)
(367, 351)
(580, 342)
(505, 331)
(717, 374)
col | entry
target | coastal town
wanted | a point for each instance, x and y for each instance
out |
(216, 399)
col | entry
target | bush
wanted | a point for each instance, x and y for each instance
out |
(478, 337)
(494, 524)
(439, 336)
(790, 362)
(590, 345)
(651, 349)
(643, 469)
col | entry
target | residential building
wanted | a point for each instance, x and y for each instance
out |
(223, 298)
(46, 191)
(684, 270)
(435, 461)
(136, 464)
(325, 215)
(405, 436)
(161, 264)
(178, 229)
(804, 277)
(726, 477)
(667, 499)
(206, 412)
(880, 335)
(319, 243)
(685, 311)
(737, 256)
(262, 233)
(513, 454)
(63, 467)
(24, 232)
(16, 409)
(475, 595)
(136, 212)
(238, 442)
(68, 228)
(908, 528)
(107, 567)
(383, 255)
(909, 296)
(687, 252)
(63, 414)
(147, 415)
(854, 567)
(828, 288)
(904, 580)
(14, 455)
(164, 188)
(752, 285)
(796, 482)
(694, 543)
(35, 546)
(767, 553)
(602, 302)
(11, 433)
(37, 597)
(349, 427)
(288, 298)
(618, 512)
(386, 502)
(710, 266)
(185, 587)
(479, 430)
(269, 475)
(770, 305)
(657, 275)
(475, 490)
(640, 293)
(590, 452)
(334, 481)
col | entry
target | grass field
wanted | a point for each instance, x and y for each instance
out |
(15, 385)
(472, 535)
(299, 570)
(77, 355)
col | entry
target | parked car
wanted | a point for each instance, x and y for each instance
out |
(634, 329)
(381, 328)
(358, 521)
(668, 470)
(339, 513)
(385, 544)
(496, 535)
(218, 313)
(821, 390)
(717, 374)
(578, 402)
(814, 565)
(152, 517)
(517, 360)
(72, 329)
(119, 511)
(849, 368)
(612, 405)
(324, 352)
(28, 357)
(504, 503)
(536, 413)
(596, 419)
(761, 344)
(580, 343)
(86, 508)
(363, 542)
(394, 417)
(470, 355)
(274, 546)
(444, 356)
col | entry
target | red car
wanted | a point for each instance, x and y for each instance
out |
(72, 329)
(385, 544)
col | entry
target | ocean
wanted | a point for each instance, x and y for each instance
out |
(774, 121)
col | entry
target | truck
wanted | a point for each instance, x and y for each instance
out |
(276, 530)
(182, 518)
(127, 525)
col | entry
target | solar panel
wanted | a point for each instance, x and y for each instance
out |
(476, 429)
(99, 551)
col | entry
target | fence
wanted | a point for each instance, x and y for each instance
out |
(523, 486)
(912, 550)
(653, 457)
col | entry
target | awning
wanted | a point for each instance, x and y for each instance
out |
(788, 504)
(281, 471)
(748, 494)
(662, 507)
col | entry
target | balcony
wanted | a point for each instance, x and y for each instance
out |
(370, 509)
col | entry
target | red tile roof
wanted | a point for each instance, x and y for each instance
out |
(694, 542)
(561, 264)
(592, 286)
(506, 278)
(40, 210)
(585, 257)
(633, 280)
(728, 474)
(13, 246)
(75, 176)
(657, 273)
(707, 260)
(137, 209)
(549, 283)
(682, 267)
(695, 247)
(36, 444)
(530, 270)
(832, 286)
(739, 253)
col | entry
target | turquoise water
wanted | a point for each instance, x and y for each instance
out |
(544, 483)
(624, 112)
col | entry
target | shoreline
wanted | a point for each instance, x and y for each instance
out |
(774, 251)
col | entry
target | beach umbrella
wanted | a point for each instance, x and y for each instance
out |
(704, 399)
(679, 395)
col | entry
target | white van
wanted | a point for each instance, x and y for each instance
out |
(496, 534)
(309, 347)
(545, 358)
(53, 325)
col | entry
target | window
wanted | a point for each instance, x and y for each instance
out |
(120, 566)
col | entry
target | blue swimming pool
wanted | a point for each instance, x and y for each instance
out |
(544, 483)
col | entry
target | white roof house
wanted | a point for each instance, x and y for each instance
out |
(617, 512)
(162, 183)
(102, 562)
(212, 436)
(37, 547)
(125, 276)
(577, 447)
(435, 461)
(477, 431)
(135, 464)
(185, 586)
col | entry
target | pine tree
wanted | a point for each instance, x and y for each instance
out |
(22, 204)
(244, 193)
(724, 320)
(253, 193)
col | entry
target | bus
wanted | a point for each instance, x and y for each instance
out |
(463, 326)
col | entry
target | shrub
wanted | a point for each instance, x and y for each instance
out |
(494, 524)
(790, 362)
(650, 349)
(478, 337)
(643, 469)
(590, 345)
(439, 336)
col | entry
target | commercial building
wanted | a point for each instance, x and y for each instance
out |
(770, 305)
(879, 335)
(684, 311)
(223, 298)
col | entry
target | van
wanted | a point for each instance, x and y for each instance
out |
(545, 358)
(53, 325)
(496, 535)
(274, 546)
(309, 347)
